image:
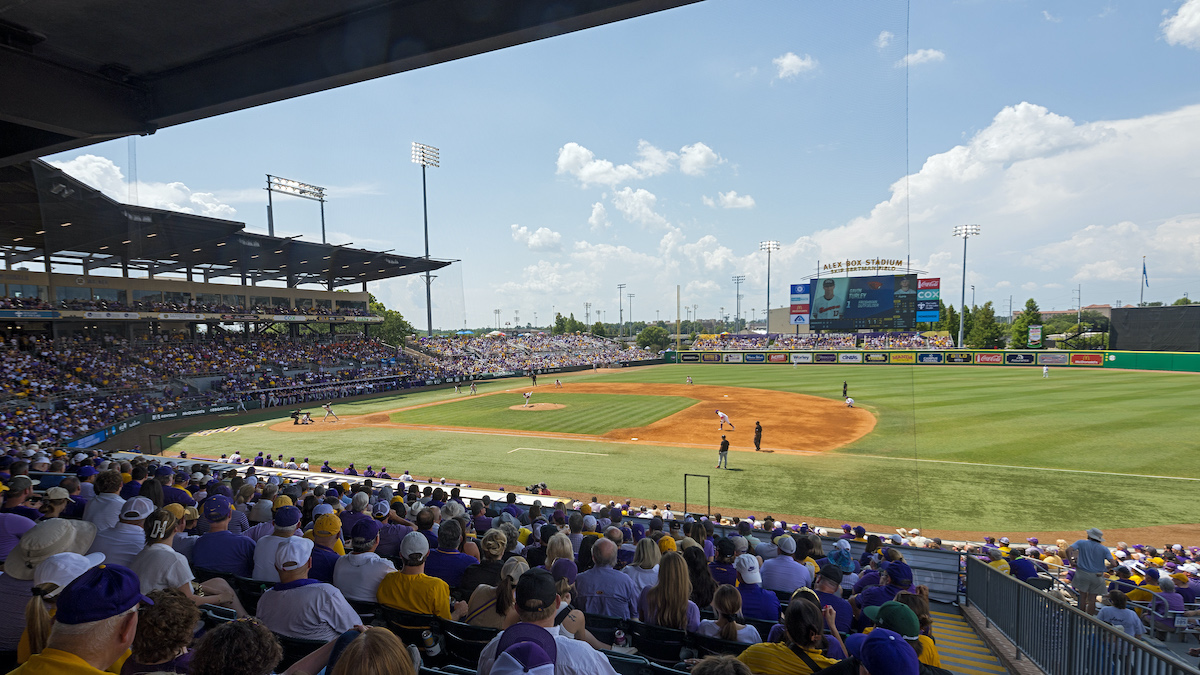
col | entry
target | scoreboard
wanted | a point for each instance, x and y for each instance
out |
(873, 303)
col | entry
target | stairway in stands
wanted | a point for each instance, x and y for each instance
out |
(961, 650)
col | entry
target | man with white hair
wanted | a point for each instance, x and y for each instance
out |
(286, 520)
(604, 590)
(300, 607)
(94, 625)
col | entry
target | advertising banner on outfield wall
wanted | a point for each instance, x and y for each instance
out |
(850, 358)
(1057, 359)
(958, 357)
(824, 358)
(930, 358)
(777, 358)
(904, 357)
(989, 358)
(875, 357)
(733, 358)
(1087, 359)
(709, 357)
(689, 358)
(756, 358)
(1020, 359)
(802, 358)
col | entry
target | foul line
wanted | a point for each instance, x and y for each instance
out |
(565, 452)
(1026, 468)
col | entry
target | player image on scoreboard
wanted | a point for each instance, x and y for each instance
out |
(830, 302)
(850, 303)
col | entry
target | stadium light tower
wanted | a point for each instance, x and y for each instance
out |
(768, 246)
(966, 232)
(630, 296)
(737, 314)
(286, 186)
(620, 311)
(426, 155)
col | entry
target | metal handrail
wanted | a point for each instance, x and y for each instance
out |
(1057, 637)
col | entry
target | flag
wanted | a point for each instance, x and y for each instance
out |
(1144, 277)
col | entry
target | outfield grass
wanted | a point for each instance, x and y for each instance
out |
(593, 414)
(1090, 420)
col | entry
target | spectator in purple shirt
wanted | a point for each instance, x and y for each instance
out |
(722, 565)
(357, 511)
(448, 563)
(604, 590)
(896, 577)
(757, 602)
(20, 489)
(131, 489)
(666, 603)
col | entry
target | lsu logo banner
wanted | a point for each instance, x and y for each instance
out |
(876, 358)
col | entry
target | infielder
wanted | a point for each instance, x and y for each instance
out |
(329, 411)
(849, 402)
(724, 420)
(527, 395)
(474, 389)
(558, 384)
(689, 379)
(723, 453)
(456, 392)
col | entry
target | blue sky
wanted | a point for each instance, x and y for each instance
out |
(660, 151)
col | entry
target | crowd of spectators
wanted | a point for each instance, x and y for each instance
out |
(729, 342)
(192, 306)
(783, 598)
(817, 341)
(471, 355)
(906, 341)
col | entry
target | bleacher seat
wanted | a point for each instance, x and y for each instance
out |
(203, 575)
(295, 649)
(604, 628)
(626, 664)
(446, 670)
(409, 626)
(656, 643)
(366, 611)
(215, 615)
(762, 626)
(714, 645)
(658, 669)
(464, 642)
(249, 591)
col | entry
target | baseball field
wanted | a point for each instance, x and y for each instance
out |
(953, 450)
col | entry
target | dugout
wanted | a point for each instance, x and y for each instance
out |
(1164, 329)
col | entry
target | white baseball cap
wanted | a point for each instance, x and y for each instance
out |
(747, 567)
(293, 552)
(137, 508)
(63, 568)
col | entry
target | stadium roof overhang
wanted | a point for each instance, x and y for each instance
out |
(44, 211)
(77, 72)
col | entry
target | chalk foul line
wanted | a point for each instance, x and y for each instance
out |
(1025, 468)
(565, 452)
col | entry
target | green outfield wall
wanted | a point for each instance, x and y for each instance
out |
(1176, 361)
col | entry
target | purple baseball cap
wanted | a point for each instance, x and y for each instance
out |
(366, 528)
(86, 471)
(564, 568)
(102, 592)
(217, 507)
(287, 516)
(163, 471)
(883, 652)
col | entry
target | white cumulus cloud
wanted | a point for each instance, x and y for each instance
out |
(884, 39)
(732, 200)
(542, 239)
(696, 159)
(599, 218)
(790, 65)
(1050, 17)
(104, 175)
(638, 206)
(652, 161)
(921, 56)
(578, 161)
(1183, 29)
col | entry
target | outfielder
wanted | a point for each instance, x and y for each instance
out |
(1045, 371)
(724, 420)
(329, 411)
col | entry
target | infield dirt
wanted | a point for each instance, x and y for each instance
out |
(791, 422)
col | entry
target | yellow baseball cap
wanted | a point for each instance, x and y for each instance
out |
(327, 525)
(176, 510)
(666, 543)
(281, 500)
(190, 513)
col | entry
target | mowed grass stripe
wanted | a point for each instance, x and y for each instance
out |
(593, 414)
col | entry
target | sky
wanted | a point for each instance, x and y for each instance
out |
(660, 151)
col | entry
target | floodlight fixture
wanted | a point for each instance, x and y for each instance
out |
(966, 232)
(768, 246)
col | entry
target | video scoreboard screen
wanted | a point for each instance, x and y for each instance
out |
(852, 303)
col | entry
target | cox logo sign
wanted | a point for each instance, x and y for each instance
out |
(928, 295)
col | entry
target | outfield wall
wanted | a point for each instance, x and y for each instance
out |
(1170, 361)
(907, 357)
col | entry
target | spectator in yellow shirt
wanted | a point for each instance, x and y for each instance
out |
(411, 590)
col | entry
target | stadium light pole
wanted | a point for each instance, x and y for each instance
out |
(768, 246)
(426, 155)
(620, 311)
(737, 314)
(630, 296)
(966, 232)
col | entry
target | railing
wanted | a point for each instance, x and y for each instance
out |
(1057, 637)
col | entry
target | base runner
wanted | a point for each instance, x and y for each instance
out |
(724, 421)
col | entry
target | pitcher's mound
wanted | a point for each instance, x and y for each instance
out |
(537, 406)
